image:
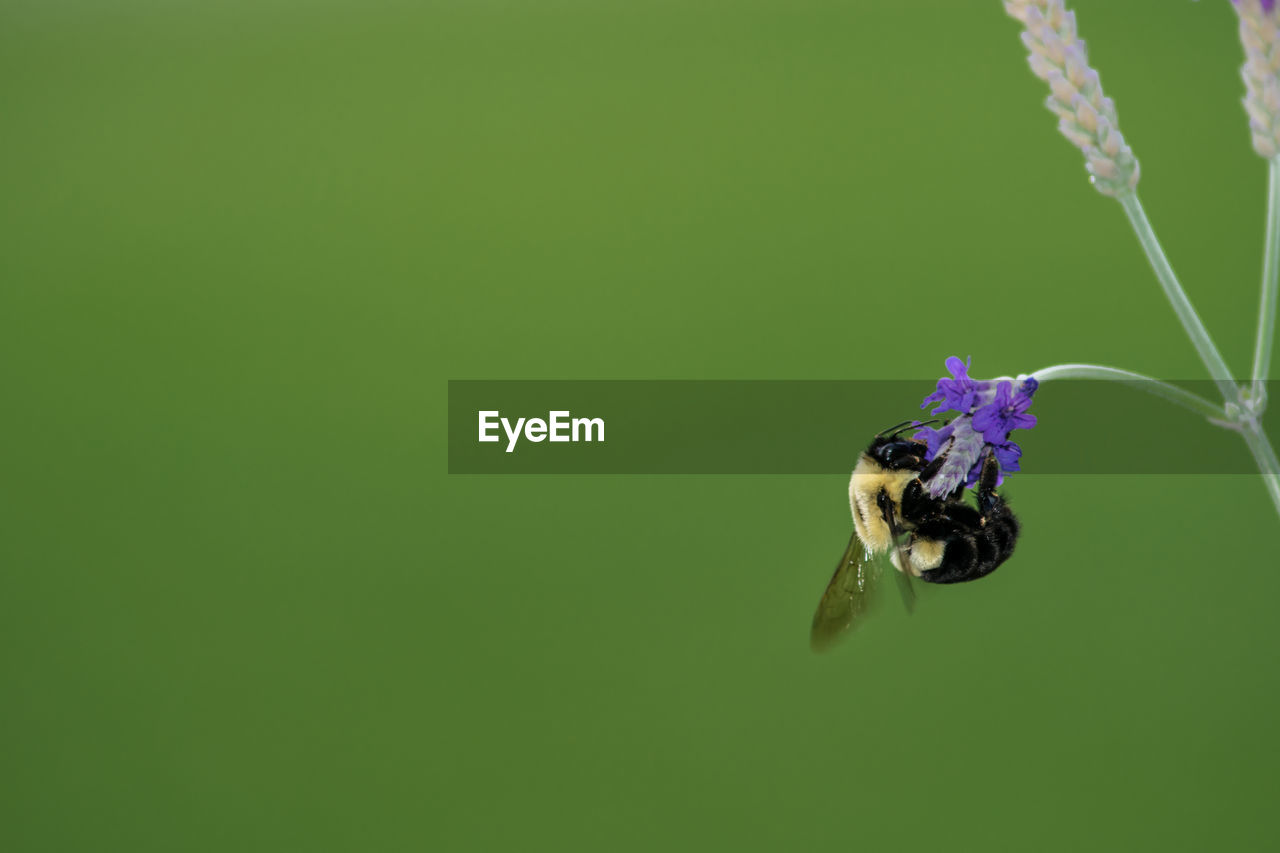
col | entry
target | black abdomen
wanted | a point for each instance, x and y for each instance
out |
(972, 550)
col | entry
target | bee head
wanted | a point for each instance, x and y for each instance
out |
(897, 453)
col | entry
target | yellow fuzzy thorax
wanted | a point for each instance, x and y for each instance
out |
(869, 478)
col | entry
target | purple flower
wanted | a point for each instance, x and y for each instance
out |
(934, 439)
(963, 448)
(956, 394)
(1006, 412)
(986, 413)
(1007, 455)
(1267, 5)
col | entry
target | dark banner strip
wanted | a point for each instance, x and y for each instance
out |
(806, 427)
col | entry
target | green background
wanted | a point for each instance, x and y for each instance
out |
(244, 607)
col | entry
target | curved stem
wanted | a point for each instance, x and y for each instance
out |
(1259, 445)
(1172, 393)
(1270, 273)
(1191, 323)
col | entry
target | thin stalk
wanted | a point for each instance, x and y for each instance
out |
(1191, 323)
(1264, 445)
(1164, 390)
(1270, 272)
(1259, 445)
(1265, 456)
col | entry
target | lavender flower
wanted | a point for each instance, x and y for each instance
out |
(957, 393)
(962, 465)
(1085, 115)
(1260, 35)
(1006, 412)
(1007, 454)
(1267, 5)
(935, 439)
(987, 411)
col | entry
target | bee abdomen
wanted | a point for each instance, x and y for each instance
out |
(973, 552)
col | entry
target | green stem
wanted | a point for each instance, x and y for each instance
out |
(1270, 272)
(1195, 329)
(1265, 456)
(1259, 445)
(1172, 393)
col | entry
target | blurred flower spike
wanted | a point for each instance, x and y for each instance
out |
(1267, 5)
(1258, 34)
(1085, 115)
(987, 411)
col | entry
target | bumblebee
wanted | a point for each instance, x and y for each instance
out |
(938, 540)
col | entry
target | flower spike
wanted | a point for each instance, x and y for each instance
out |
(986, 412)
(1260, 35)
(1086, 117)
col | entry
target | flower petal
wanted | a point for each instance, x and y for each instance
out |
(1021, 421)
(957, 368)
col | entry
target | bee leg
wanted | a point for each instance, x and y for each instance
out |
(986, 486)
(929, 471)
(990, 475)
(915, 506)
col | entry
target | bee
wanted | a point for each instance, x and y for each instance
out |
(938, 540)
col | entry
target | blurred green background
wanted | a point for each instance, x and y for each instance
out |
(243, 607)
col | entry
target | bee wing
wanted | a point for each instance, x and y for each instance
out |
(847, 596)
(905, 585)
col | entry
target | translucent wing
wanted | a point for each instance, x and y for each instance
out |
(904, 583)
(847, 597)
